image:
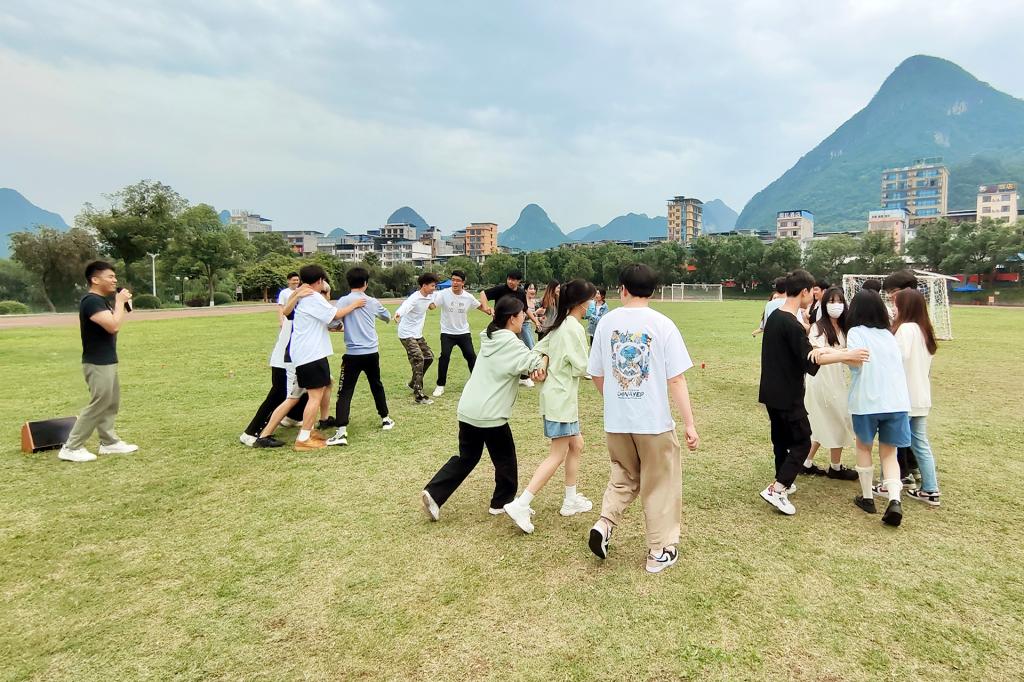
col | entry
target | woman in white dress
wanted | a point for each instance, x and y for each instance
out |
(825, 397)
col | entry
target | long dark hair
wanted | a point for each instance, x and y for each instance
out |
(867, 310)
(572, 294)
(506, 308)
(824, 321)
(911, 307)
(549, 295)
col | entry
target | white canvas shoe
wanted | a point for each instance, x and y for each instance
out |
(247, 440)
(576, 504)
(79, 455)
(118, 448)
(520, 515)
(438, 392)
(430, 507)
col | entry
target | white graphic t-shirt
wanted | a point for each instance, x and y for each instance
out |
(637, 350)
(455, 310)
(413, 313)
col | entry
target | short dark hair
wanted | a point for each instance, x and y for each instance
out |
(357, 277)
(461, 274)
(638, 279)
(515, 274)
(867, 310)
(872, 285)
(797, 281)
(292, 274)
(901, 279)
(822, 284)
(311, 274)
(426, 278)
(94, 268)
(780, 284)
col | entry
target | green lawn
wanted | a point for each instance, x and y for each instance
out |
(200, 559)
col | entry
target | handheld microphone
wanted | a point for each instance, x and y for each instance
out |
(127, 304)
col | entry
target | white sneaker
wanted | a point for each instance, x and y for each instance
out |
(656, 563)
(575, 505)
(79, 455)
(288, 421)
(520, 515)
(430, 507)
(340, 437)
(247, 440)
(118, 448)
(495, 512)
(778, 500)
(387, 423)
(438, 392)
(791, 489)
(528, 382)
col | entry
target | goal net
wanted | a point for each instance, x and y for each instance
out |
(933, 287)
(691, 292)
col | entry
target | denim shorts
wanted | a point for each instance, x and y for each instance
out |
(893, 428)
(561, 429)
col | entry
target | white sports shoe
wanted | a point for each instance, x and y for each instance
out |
(577, 504)
(79, 455)
(288, 421)
(387, 423)
(791, 489)
(430, 507)
(528, 382)
(340, 437)
(119, 448)
(520, 515)
(247, 440)
(438, 392)
(778, 500)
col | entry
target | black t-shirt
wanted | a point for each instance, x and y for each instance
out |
(495, 293)
(99, 347)
(784, 350)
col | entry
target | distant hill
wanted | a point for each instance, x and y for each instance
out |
(533, 231)
(632, 227)
(718, 217)
(18, 214)
(338, 232)
(927, 107)
(225, 217)
(407, 215)
(580, 234)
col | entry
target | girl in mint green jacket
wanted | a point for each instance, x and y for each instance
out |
(566, 348)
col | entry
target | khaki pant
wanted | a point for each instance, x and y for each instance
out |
(98, 415)
(648, 465)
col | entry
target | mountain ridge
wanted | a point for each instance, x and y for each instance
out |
(18, 214)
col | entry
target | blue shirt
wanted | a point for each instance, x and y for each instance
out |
(594, 313)
(879, 385)
(360, 331)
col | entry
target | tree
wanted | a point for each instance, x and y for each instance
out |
(267, 273)
(876, 254)
(142, 218)
(464, 263)
(497, 266)
(57, 259)
(267, 243)
(931, 245)
(399, 279)
(780, 257)
(831, 257)
(706, 256)
(608, 260)
(741, 259)
(206, 246)
(16, 283)
(538, 269)
(578, 267)
(980, 248)
(668, 260)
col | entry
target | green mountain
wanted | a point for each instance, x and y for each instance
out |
(533, 231)
(631, 227)
(718, 217)
(580, 234)
(927, 107)
(407, 215)
(18, 214)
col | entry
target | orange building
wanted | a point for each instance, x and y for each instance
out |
(481, 239)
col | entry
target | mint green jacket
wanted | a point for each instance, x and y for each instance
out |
(491, 391)
(566, 348)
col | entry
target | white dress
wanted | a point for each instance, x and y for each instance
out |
(825, 399)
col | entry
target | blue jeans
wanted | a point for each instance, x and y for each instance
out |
(923, 452)
(527, 334)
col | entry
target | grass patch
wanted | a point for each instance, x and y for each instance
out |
(200, 559)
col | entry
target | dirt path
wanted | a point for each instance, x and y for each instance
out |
(69, 319)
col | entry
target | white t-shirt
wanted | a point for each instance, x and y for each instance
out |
(413, 312)
(455, 310)
(310, 338)
(277, 355)
(917, 362)
(879, 385)
(284, 295)
(637, 350)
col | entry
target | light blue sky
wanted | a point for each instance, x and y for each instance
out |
(327, 114)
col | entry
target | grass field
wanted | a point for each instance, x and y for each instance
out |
(200, 559)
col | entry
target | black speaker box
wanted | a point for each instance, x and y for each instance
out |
(47, 434)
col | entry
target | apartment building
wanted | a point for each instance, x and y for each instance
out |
(795, 225)
(251, 223)
(398, 231)
(921, 188)
(481, 240)
(894, 222)
(685, 219)
(302, 242)
(998, 201)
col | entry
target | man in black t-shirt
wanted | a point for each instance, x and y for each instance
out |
(99, 323)
(785, 359)
(510, 288)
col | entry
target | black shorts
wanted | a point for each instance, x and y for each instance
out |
(316, 374)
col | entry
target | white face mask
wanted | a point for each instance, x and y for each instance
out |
(835, 310)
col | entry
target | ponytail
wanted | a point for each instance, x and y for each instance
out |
(572, 294)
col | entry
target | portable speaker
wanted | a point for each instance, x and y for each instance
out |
(47, 434)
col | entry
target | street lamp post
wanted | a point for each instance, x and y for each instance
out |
(153, 263)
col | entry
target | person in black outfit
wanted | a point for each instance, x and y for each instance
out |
(785, 359)
(510, 288)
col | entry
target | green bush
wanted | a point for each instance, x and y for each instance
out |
(220, 298)
(146, 302)
(13, 308)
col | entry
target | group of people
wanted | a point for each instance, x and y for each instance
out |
(636, 358)
(811, 331)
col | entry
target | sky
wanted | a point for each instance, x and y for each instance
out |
(333, 114)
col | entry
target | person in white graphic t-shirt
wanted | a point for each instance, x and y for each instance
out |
(410, 317)
(455, 304)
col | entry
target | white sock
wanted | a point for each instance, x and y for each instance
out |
(570, 492)
(866, 475)
(808, 463)
(834, 466)
(343, 430)
(526, 498)
(303, 435)
(778, 487)
(893, 487)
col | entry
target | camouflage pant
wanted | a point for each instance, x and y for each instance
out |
(420, 357)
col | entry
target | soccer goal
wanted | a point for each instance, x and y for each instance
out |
(933, 286)
(691, 292)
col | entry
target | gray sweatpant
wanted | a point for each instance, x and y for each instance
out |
(99, 414)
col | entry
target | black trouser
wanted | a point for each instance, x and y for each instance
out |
(791, 442)
(351, 366)
(905, 458)
(449, 341)
(278, 394)
(472, 440)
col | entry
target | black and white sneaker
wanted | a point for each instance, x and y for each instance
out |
(928, 498)
(893, 515)
(328, 423)
(339, 438)
(599, 540)
(387, 423)
(656, 563)
(423, 400)
(268, 442)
